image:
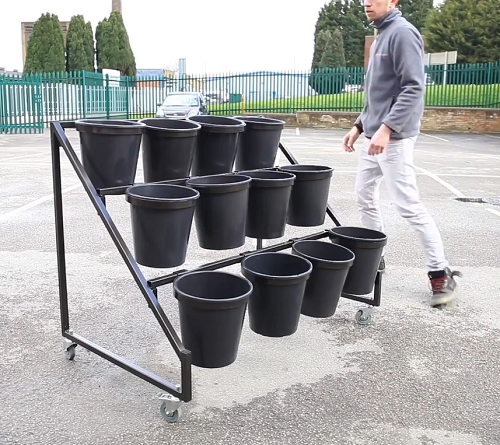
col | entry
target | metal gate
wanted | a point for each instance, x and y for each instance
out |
(20, 105)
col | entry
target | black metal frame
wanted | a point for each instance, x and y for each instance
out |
(148, 287)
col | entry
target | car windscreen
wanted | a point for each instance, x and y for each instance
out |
(181, 100)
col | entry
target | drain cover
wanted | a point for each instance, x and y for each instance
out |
(479, 200)
(494, 200)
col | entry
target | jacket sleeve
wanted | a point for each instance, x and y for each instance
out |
(359, 123)
(407, 56)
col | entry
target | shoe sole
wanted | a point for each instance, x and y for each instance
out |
(442, 300)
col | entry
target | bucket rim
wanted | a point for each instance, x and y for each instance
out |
(195, 125)
(382, 236)
(221, 302)
(285, 179)
(243, 183)
(236, 126)
(109, 126)
(307, 168)
(136, 199)
(322, 261)
(262, 122)
(309, 172)
(300, 276)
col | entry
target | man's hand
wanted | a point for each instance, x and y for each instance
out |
(380, 140)
(350, 138)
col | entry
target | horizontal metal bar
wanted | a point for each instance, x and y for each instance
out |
(377, 293)
(121, 190)
(358, 298)
(127, 365)
(120, 244)
(68, 124)
(231, 261)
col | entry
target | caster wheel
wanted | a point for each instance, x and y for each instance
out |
(71, 352)
(170, 417)
(364, 316)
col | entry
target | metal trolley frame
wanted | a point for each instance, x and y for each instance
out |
(175, 394)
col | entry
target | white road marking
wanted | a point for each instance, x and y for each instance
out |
(441, 174)
(25, 156)
(491, 136)
(35, 203)
(452, 189)
(26, 164)
(495, 212)
(27, 147)
(435, 137)
(441, 181)
(464, 175)
(297, 131)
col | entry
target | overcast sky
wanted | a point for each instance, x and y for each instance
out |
(213, 35)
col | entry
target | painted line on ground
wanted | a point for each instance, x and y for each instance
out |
(465, 175)
(443, 174)
(495, 212)
(35, 203)
(435, 137)
(452, 189)
(491, 136)
(297, 131)
(26, 147)
(441, 181)
(27, 164)
(25, 156)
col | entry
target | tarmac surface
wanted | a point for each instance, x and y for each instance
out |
(416, 375)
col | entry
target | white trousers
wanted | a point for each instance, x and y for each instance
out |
(396, 166)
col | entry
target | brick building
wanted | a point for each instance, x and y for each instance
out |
(27, 30)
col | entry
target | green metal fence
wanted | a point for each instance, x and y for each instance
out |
(28, 103)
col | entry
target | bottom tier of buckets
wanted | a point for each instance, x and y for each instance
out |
(276, 288)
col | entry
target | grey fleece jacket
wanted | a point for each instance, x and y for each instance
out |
(395, 79)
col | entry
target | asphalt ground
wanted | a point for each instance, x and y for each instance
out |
(416, 375)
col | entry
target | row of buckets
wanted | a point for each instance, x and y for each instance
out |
(275, 288)
(257, 201)
(176, 148)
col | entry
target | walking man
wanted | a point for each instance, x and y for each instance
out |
(390, 122)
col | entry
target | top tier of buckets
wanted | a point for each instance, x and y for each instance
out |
(176, 148)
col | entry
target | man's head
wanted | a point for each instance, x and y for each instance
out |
(376, 9)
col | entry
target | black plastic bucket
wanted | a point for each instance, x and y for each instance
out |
(367, 246)
(216, 145)
(168, 148)
(279, 281)
(212, 308)
(259, 143)
(331, 263)
(110, 150)
(268, 203)
(162, 217)
(221, 211)
(309, 194)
